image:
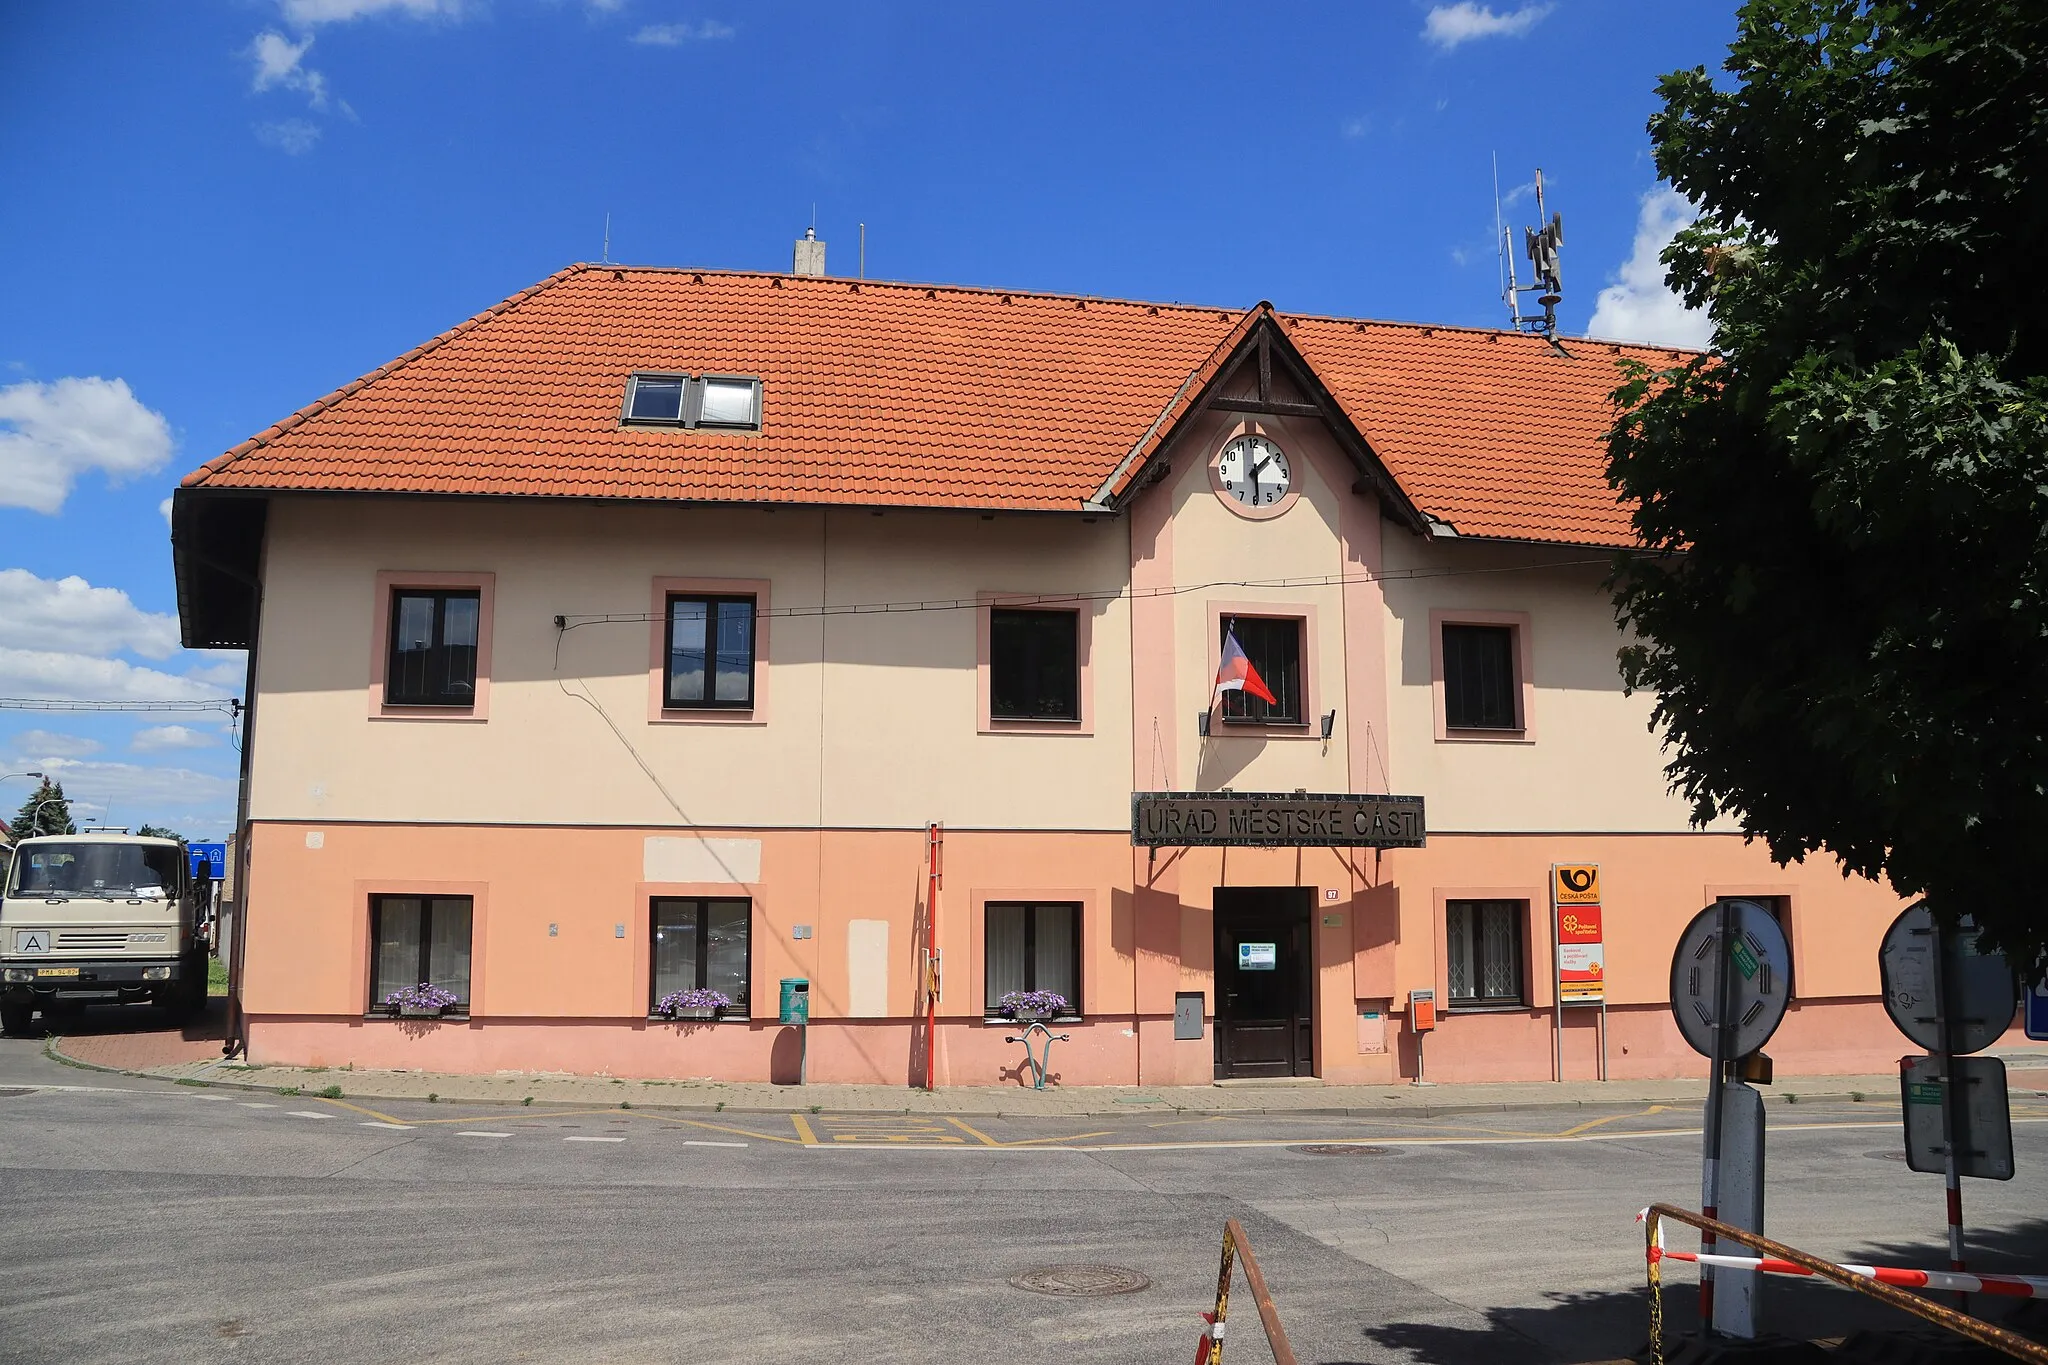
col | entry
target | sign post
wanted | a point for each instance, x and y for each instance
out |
(1953, 999)
(1578, 955)
(1729, 979)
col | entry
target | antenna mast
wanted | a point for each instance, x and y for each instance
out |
(608, 237)
(1541, 245)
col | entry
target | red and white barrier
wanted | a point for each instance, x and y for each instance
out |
(2011, 1286)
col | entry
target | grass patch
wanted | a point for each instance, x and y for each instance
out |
(625, 1104)
(216, 976)
(315, 1070)
(332, 1092)
(289, 1090)
(432, 1098)
(1791, 1098)
(1855, 1097)
(720, 1108)
(528, 1101)
(187, 1080)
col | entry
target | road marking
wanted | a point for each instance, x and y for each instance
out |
(402, 1127)
(984, 1138)
(700, 1142)
(307, 1114)
(580, 1138)
(256, 1104)
(470, 1133)
(359, 1109)
(804, 1132)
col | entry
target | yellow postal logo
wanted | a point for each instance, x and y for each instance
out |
(1577, 885)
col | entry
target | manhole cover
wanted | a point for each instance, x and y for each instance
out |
(1338, 1149)
(1886, 1156)
(1081, 1281)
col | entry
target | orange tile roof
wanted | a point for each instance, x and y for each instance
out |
(881, 394)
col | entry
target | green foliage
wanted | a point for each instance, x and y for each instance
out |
(1844, 613)
(45, 812)
(159, 832)
(332, 1092)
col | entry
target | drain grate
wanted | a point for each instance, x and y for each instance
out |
(1338, 1149)
(1081, 1281)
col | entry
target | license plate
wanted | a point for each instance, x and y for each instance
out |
(56, 971)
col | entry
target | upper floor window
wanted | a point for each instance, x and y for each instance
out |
(1481, 691)
(714, 401)
(1034, 670)
(1273, 645)
(433, 648)
(710, 652)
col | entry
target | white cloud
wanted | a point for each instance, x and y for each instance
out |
(1517, 194)
(226, 669)
(311, 13)
(194, 803)
(157, 738)
(1449, 25)
(675, 35)
(164, 508)
(1356, 127)
(604, 6)
(52, 433)
(53, 675)
(279, 63)
(39, 744)
(1639, 306)
(70, 615)
(292, 136)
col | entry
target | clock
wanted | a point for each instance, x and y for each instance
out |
(1253, 471)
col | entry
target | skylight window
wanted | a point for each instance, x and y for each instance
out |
(726, 402)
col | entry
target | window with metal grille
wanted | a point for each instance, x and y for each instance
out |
(1481, 691)
(1034, 670)
(1485, 951)
(417, 940)
(710, 652)
(701, 943)
(1032, 947)
(1273, 644)
(433, 648)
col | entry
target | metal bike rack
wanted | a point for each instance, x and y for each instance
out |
(1038, 1063)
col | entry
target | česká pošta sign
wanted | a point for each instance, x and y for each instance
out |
(1274, 820)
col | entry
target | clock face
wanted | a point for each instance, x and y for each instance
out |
(1254, 471)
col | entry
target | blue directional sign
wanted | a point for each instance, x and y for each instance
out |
(214, 856)
(2037, 1011)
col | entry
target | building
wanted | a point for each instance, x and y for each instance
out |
(630, 636)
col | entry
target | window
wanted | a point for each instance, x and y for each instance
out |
(1273, 644)
(1485, 942)
(718, 401)
(710, 652)
(702, 943)
(433, 648)
(1480, 687)
(1032, 948)
(416, 939)
(1034, 670)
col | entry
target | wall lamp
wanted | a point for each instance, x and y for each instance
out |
(1329, 723)
(1202, 724)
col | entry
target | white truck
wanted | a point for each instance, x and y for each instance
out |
(105, 917)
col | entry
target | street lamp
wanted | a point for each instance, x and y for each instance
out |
(5, 776)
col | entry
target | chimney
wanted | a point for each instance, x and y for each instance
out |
(810, 254)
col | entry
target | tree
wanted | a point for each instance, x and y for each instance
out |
(159, 832)
(1843, 612)
(45, 812)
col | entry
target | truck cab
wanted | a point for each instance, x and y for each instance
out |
(104, 917)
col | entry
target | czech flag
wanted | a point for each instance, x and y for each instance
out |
(1236, 674)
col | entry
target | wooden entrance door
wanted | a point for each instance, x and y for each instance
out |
(1263, 991)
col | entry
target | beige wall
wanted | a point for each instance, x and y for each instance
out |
(885, 734)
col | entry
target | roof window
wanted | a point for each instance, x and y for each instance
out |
(721, 402)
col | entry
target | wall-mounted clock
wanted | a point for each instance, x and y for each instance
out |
(1253, 471)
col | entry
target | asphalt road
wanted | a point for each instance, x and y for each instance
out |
(154, 1222)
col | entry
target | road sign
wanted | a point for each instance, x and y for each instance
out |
(215, 856)
(1581, 946)
(1977, 991)
(2037, 1011)
(1983, 1119)
(1759, 961)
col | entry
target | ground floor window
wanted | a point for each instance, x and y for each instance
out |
(1485, 951)
(702, 943)
(418, 940)
(1032, 947)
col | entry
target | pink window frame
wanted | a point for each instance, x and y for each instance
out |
(1084, 637)
(1304, 613)
(1525, 682)
(390, 581)
(1538, 987)
(479, 894)
(644, 895)
(657, 664)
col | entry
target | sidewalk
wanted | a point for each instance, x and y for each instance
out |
(175, 1056)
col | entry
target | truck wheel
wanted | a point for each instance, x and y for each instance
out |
(15, 1020)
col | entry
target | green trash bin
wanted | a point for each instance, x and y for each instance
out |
(796, 1000)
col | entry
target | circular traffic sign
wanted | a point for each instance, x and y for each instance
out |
(1981, 992)
(1759, 961)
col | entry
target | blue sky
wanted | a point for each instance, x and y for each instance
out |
(217, 212)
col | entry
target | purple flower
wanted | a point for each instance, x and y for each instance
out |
(425, 996)
(696, 998)
(1034, 1002)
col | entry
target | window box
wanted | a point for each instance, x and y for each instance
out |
(422, 1011)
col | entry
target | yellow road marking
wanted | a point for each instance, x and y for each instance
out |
(1176, 1123)
(713, 1127)
(344, 1104)
(984, 1138)
(803, 1130)
(1071, 1137)
(1595, 1123)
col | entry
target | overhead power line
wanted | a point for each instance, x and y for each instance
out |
(230, 706)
